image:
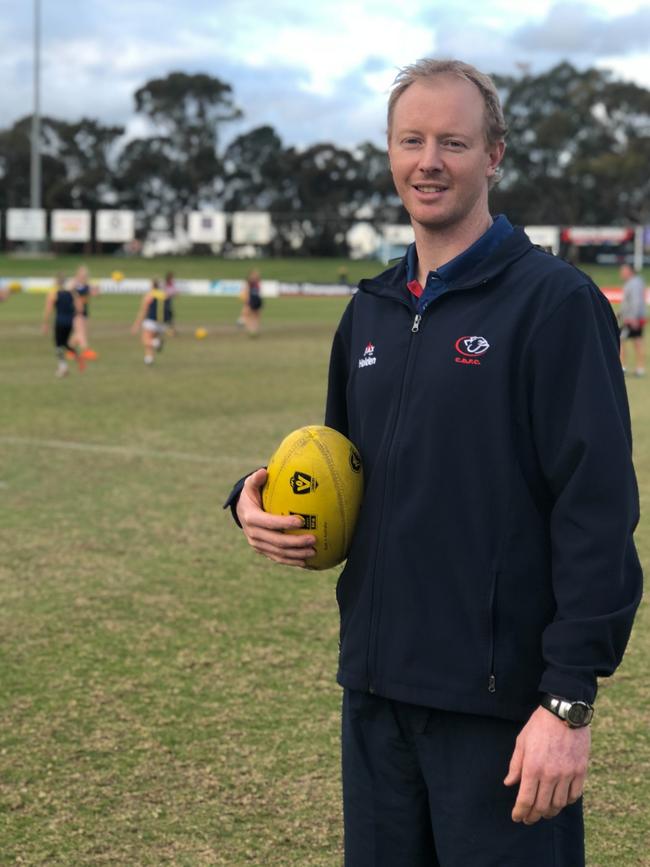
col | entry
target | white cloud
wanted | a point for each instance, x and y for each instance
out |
(316, 72)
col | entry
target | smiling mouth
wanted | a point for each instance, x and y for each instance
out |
(430, 188)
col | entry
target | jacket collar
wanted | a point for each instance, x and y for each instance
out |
(392, 282)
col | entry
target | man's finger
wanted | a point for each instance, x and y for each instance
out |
(298, 557)
(542, 802)
(268, 521)
(525, 799)
(274, 535)
(575, 789)
(270, 548)
(514, 770)
(559, 800)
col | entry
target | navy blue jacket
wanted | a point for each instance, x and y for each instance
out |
(493, 558)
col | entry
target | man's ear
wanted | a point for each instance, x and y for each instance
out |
(495, 154)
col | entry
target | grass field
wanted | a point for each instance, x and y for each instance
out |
(166, 696)
(211, 267)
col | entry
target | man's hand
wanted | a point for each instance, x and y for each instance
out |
(550, 764)
(266, 532)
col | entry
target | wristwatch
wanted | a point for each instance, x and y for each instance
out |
(576, 714)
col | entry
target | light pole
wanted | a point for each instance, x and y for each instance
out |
(35, 174)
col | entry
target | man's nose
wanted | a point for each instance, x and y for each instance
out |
(430, 157)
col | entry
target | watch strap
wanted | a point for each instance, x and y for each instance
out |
(576, 714)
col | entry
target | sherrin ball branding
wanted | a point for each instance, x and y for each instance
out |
(316, 473)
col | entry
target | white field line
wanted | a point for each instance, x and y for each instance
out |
(119, 451)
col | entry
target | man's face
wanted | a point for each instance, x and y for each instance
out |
(439, 159)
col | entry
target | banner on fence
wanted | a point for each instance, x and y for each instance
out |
(251, 227)
(207, 227)
(26, 224)
(115, 227)
(70, 226)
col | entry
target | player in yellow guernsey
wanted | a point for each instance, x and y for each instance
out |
(150, 321)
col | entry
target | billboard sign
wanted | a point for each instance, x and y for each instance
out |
(70, 226)
(583, 236)
(251, 227)
(115, 227)
(26, 224)
(207, 227)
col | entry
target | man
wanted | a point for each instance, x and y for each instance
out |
(632, 316)
(492, 575)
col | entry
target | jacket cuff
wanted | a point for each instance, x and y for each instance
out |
(575, 686)
(233, 496)
(233, 499)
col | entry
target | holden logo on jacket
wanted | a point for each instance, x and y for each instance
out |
(368, 357)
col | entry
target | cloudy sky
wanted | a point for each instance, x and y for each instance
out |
(316, 71)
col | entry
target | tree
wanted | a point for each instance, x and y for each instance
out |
(88, 151)
(15, 155)
(380, 204)
(77, 163)
(186, 113)
(571, 132)
(254, 170)
(319, 198)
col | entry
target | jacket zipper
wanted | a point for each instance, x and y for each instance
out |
(376, 602)
(492, 680)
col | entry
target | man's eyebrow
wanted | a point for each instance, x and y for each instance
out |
(449, 133)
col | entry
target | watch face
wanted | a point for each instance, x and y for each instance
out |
(578, 714)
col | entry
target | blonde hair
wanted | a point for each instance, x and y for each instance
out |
(495, 125)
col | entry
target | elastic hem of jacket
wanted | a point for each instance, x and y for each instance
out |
(488, 705)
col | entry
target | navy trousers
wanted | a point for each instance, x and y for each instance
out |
(424, 788)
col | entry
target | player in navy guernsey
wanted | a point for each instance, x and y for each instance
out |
(84, 290)
(171, 291)
(493, 575)
(65, 303)
(150, 321)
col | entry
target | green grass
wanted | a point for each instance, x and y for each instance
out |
(166, 696)
(212, 267)
(194, 267)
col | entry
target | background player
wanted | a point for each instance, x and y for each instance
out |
(84, 290)
(150, 321)
(66, 304)
(171, 291)
(632, 316)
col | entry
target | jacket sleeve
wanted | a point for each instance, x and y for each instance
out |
(336, 408)
(581, 425)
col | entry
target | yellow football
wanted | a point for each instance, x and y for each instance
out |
(200, 333)
(316, 473)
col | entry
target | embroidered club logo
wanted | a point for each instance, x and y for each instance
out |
(469, 348)
(368, 358)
